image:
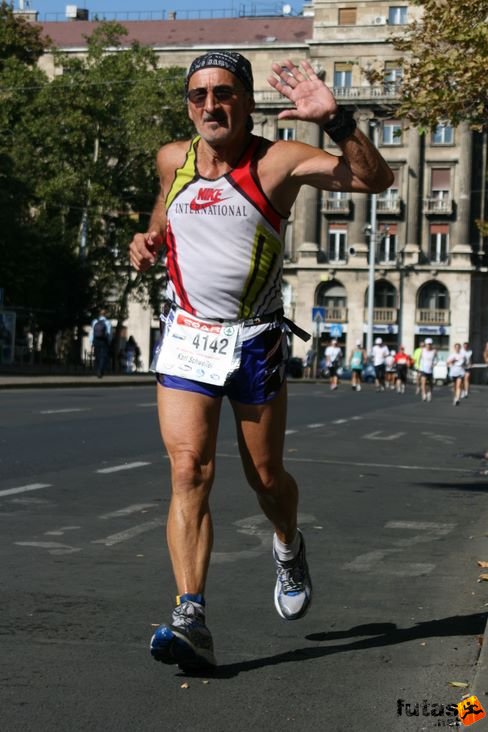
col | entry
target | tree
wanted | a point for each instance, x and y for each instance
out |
(84, 148)
(446, 56)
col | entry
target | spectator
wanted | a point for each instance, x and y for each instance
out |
(132, 355)
(100, 338)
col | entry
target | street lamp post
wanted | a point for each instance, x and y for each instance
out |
(372, 251)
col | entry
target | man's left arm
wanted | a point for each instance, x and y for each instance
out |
(360, 167)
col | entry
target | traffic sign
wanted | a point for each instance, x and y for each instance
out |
(335, 330)
(318, 314)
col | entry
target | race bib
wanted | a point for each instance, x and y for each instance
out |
(197, 349)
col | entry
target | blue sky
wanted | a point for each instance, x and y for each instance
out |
(156, 9)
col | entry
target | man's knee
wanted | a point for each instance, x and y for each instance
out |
(189, 472)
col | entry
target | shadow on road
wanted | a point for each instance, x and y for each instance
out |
(382, 634)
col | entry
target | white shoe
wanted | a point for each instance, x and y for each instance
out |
(358, 387)
(429, 396)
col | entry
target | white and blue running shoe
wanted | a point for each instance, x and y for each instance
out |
(186, 641)
(293, 590)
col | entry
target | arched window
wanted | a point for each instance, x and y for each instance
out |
(433, 296)
(332, 295)
(385, 295)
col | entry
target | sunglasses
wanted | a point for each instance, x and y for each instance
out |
(220, 94)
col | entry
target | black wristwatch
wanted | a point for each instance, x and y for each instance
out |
(342, 126)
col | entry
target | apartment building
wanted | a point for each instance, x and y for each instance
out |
(429, 269)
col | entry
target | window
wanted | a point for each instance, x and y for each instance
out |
(397, 15)
(331, 295)
(286, 133)
(391, 132)
(337, 243)
(387, 249)
(433, 296)
(439, 243)
(337, 201)
(347, 16)
(440, 184)
(342, 74)
(393, 73)
(442, 135)
(389, 200)
(385, 295)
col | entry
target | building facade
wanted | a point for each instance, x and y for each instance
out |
(429, 266)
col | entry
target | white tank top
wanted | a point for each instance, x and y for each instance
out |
(427, 360)
(224, 241)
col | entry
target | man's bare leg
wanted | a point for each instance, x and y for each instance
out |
(261, 434)
(189, 427)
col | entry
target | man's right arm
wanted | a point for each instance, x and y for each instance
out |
(144, 248)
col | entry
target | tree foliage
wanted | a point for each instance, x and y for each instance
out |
(78, 172)
(445, 63)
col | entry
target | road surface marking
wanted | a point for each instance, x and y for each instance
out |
(373, 561)
(125, 466)
(61, 530)
(148, 404)
(53, 547)
(339, 421)
(24, 489)
(314, 426)
(134, 508)
(65, 411)
(131, 533)
(379, 435)
(252, 526)
(290, 432)
(445, 439)
(355, 464)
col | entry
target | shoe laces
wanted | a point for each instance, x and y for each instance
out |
(291, 577)
(188, 614)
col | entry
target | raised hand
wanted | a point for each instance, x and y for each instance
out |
(312, 99)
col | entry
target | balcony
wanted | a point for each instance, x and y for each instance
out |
(341, 93)
(388, 205)
(438, 206)
(385, 316)
(336, 315)
(336, 205)
(431, 316)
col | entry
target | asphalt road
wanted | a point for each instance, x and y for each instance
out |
(393, 510)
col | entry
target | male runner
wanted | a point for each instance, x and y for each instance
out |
(221, 213)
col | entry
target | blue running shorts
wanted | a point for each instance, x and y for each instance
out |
(257, 380)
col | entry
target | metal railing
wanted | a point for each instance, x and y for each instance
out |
(342, 93)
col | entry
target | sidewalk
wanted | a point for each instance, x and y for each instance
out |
(40, 381)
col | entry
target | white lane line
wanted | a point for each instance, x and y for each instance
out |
(24, 489)
(314, 426)
(134, 508)
(379, 435)
(148, 404)
(339, 421)
(65, 411)
(355, 464)
(62, 530)
(125, 466)
(357, 417)
(290, 432)
(131, 533)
